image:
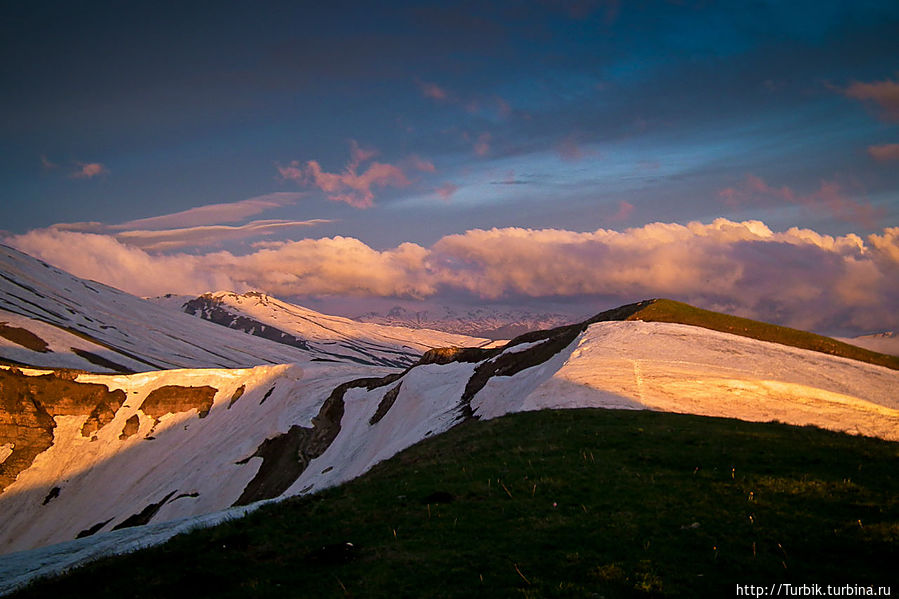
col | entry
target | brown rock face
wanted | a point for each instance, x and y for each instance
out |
(23, 337)
(28, 405)
(172, 399)
(132, 425)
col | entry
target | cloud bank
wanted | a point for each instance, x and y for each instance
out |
(797, 277)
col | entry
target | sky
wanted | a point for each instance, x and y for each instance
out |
(573, 155)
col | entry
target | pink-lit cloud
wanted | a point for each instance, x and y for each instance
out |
(351, 186)
(419, 164)
(213, 214)
(570, 148)
(47, 163)
(883, 93)
(625, 209)
(797, 277)
(433, 91)
(884, 152)
(200, 226)
(89, 170)
(446, 191)
(482, 144)
(208, 235)
(830, 197)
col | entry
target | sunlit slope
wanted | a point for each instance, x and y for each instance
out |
(665, 310)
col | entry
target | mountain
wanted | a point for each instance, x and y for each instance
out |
(103, 456)
(886, 342)
(328, 336)
(50, 318)
(492, 323)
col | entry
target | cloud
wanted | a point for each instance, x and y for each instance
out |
(830, 197)
(433, 91)
(798, 277)
(207, 235)
(884, 152)
(625, 209)
(446, 191)
(197, 227)
(47, 163)
(351, 186)
(482, 144)
(420, 164)
(213, 214)
(569, 148)
(89, 170)
(883, 93)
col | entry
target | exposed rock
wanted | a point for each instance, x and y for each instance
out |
(385, 404)
(266, 396)
(145, 515)
(53, 494)
(445, 355)
(286, 456)
(171, 399)
(92, 530)
(23, 337)
(510, 363)
(132, 425)
(211, 308)
(237, 395)
(98, 360)
(102, 414)
(28, 405)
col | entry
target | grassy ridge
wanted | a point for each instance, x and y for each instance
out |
(665, 310)
(572, 503)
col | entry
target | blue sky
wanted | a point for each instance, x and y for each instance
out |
(393, 122)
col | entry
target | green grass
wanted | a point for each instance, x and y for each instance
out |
(572, 503)
(665, 310)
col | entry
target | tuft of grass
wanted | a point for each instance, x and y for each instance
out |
(665, 310)
(572, 503)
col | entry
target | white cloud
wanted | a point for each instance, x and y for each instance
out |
(798, 277)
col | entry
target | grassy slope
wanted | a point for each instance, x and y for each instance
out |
(664, 310)
(573, 503)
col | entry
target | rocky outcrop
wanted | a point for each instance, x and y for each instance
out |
(237, 395)
(132, 425)
(23, 337)
(286, 456)
(171, 399)
(385, 404)
(28, 405)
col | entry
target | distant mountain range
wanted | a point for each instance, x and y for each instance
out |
(885, 343)
(480, 322)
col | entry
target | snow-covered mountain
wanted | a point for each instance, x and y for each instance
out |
(885, 343)
(50, 318)
(327, 336)
(492, 323)
(92, 453)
